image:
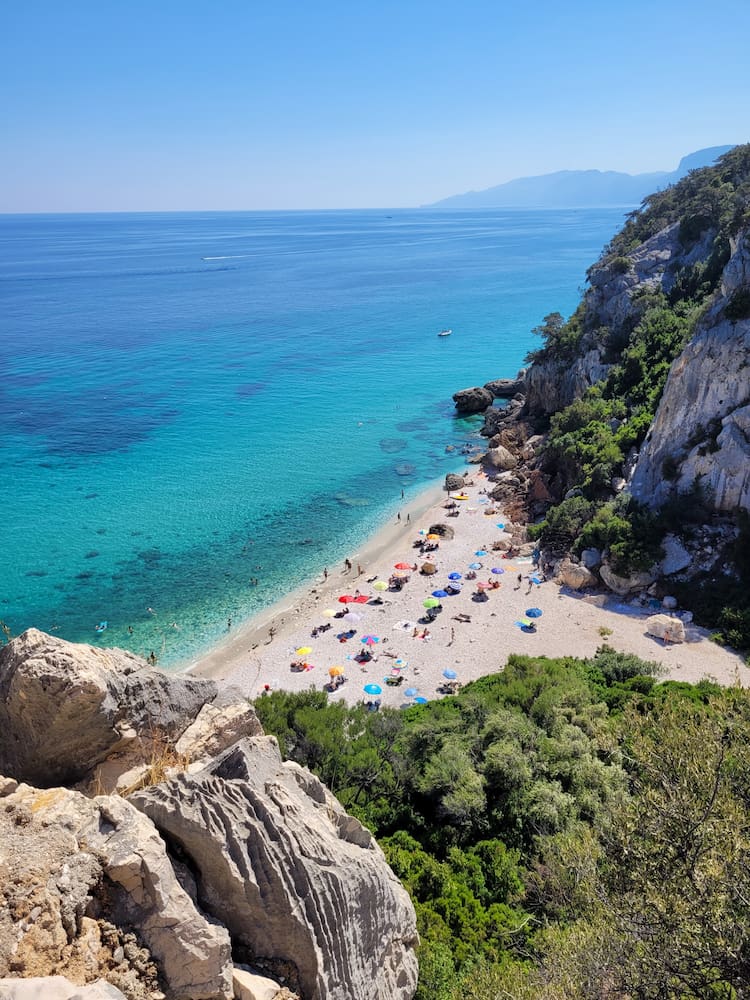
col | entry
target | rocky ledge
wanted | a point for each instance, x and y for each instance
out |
(229, 874)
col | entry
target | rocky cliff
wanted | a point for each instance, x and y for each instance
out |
(227, 860)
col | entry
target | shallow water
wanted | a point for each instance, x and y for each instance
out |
(193, 401)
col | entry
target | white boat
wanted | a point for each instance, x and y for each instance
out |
(445, 333)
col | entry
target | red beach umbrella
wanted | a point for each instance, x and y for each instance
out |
(402, 565)
(361, 599)
(346, 599)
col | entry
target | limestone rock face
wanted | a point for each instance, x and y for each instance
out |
(575, 576)
(71, 856)
(64, 707)
(552, 385)
(662, 626)
(676, 556)
(473, 400)
(623, 585)
(701, 432)
(290, 874)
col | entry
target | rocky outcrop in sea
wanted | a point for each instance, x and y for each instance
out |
(219, 872)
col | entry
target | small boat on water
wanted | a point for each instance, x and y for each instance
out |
(445, 333)
(101, 627)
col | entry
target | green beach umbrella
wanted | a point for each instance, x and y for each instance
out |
(430, 602)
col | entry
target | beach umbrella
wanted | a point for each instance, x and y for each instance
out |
(498, 570)
(402, 572)
(402, 565)
(429, 568)
(453, 588)
(454, 576)
(430, 602)
(480, 552)
(380, 585)
(510, 568)
(500, 525)
(525, 621)
(533, 612)
(361, 599)
(420, 700)
(401, 663)
(369, 640)
(304, 650)
(440, 593)
(432, 537)
(537, 580)
(373, 689)
(328, 613)
(481, 585)
(335, 671)
(346, 598)
(352, 617)
(475, 565)
(410, 692)
(450, 674)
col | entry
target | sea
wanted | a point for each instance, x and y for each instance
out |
(199, 411)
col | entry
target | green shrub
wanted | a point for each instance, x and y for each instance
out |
(621, 265)
(738, 306)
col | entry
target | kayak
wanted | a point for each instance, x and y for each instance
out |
(101, 627)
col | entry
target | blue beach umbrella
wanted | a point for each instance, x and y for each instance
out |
(500, 525)
(475, 565)
(498, 570)
(533, 612)
(480, 552)
(440, 593)
(410, 692)
(373, 689)
(420, 701)
(450, 674)
(454, 576)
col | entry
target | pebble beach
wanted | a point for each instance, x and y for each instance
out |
(473, 632)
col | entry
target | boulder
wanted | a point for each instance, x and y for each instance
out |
(665, 627)
(57, 988)
(64, 707)
(591, 558)
(501, 458)
(428, 569)
(575, 576)
(251, 986)
(676, 556)
(444, 530)
(219, 724)
(669, 603)
(72, 856)
(505, 388)
(454, 482)
(290, 874)
(474, 400)
(623, 585)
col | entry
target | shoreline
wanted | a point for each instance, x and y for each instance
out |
(254, 659)
(251, 634)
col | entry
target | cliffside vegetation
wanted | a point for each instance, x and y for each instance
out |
(565, 828)
(591, 441)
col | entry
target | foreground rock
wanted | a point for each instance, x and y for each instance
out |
(665, 627)
(291, 875)
(76, 874)
(56, 988)
(65, 707)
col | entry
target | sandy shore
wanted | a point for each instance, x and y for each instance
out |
(570, 624)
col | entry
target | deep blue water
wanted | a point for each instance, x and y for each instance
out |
(189, 401)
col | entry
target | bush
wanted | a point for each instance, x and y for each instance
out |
(738, 306)
(621, 265)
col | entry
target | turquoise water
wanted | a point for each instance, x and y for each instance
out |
(191, 401)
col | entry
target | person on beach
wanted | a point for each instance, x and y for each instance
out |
(229, 624)
(398, 516)
(360, 571)
(520, 581)
(325, 572)
(347, 565)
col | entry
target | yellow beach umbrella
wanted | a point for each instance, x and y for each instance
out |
(380, 585)
(335, 671)
(328, 613)
(304, 650)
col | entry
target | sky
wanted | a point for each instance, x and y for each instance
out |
(169, 105)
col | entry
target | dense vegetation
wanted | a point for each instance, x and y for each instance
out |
(591, 440)
(565, 828)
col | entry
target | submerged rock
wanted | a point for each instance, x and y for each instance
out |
(393, 444)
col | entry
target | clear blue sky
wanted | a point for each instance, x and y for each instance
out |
(240, 104)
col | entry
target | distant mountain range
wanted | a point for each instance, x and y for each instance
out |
(580, 188)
